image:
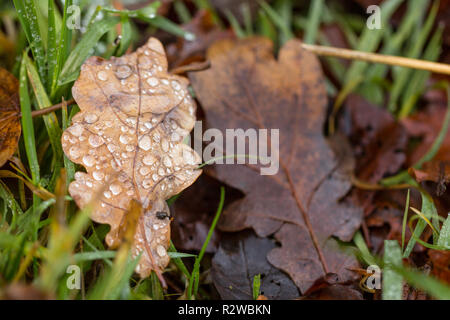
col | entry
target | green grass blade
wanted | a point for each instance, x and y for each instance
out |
(27, 124)
(392, 282)
(167, 25)
(405, 219)
(29, 19)
(314, 18)
(429, 210)
(195, 277)
(127, 33)
(402, 76)
(368, 42)
(51, 45)
(94, 255)
(81, 51)
(62, 47)
(444, 237)
(278, 21)
(256, 286)
(178, 262)
(50, 120)
(238, 31)
(421, 281)
(182, 11)
(416, 85)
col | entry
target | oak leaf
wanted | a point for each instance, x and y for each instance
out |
(129, 136)
(10, 127)
(300, 206)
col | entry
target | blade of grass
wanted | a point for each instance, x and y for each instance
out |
(429, 284)
(256, 286)
(195, 276)
(405, 219)
(27, 124)
(403, 76)
(81, 51)
(416, 85)
(29, 19)
(392, 282)
(50, 120)
(428, 209)
(314, 18)
(444, 238)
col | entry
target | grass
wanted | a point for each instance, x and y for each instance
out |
(42, 235)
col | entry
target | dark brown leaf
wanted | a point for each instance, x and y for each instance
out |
(239, 258)
(247, 88)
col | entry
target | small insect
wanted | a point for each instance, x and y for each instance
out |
(161, 215)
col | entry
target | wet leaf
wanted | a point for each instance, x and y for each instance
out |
(10, 128)
(247, 88)
(128, 135)
(239, 258)
(206, 32)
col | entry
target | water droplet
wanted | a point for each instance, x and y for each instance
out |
(107, 194)
(188, 157)
(88, 160)
(98, 175)
(148, 125)
(124, 139)
(111, 148)
(95, 141)
(149, 160)
(161, 251)
(115, 188)
(90, 118)
(102, 75)
(76, 129)
(175, 137)
(123, 71)
(145, 143)
(155, 177)
(161, 171)
(144, 171)
(152, 82)
(74, 152)
(176, 85)
(167, 162)
(165, 145)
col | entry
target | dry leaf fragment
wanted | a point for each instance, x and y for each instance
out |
(10, 128)
(301, 205)
(129, 136)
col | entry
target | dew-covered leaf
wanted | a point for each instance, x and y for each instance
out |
(10, 128)
(128, 135)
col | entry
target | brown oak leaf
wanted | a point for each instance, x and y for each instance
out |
(129, 137)
(10, 128)
(300, 205)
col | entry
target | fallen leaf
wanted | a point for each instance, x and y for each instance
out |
(242, 256)
(435, 171)
(378, 143)
(193, 212)
(128, 135)
(10, 127)
(335, 292)
(185, 52)
(426, 125)
(441, 264)
(247, 88)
